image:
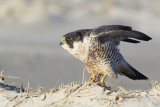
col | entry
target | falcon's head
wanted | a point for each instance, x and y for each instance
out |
(73, 41)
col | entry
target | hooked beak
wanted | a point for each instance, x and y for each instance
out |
(60, 43)
(63, 41)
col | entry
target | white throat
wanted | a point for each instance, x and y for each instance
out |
(76, 50)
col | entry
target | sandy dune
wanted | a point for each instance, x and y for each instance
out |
(79, 95)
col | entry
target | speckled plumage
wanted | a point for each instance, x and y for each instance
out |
(97, 49)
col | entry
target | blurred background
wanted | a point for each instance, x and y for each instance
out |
(30, 32)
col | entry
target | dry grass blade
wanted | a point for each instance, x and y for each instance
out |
(83, 75)
(19, 102)
(13, 98)
(21, 88)
(155, 85)
(122, 96)
(11, 77)
(70, 92)
(28, 86)
(1, 77)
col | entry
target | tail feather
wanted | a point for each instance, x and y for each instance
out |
(131, 73)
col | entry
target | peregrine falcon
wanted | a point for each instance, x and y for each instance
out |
(98, 49)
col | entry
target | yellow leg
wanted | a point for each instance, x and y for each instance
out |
(102, 80)
(89, 83)
(91, 79)
(95, 78)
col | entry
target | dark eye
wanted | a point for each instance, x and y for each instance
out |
(68, 39)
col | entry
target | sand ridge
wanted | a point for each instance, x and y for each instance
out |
(79, 95)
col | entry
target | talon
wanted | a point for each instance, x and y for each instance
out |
(107, 84)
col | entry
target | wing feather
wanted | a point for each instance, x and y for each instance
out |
(131, 41)
(119, 32)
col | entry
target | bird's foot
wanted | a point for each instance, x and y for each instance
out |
(102, 79)
(91, 80)
(102, 82)
(106, 85)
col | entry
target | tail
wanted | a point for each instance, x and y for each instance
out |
(130, 72)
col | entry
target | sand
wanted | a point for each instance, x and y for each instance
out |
(78, 95)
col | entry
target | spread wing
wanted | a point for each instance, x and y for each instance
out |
(119, 33)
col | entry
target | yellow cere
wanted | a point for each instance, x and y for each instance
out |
(63, 39)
